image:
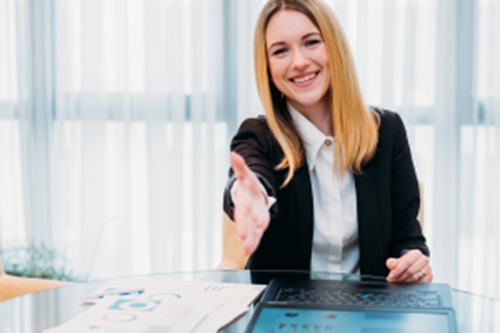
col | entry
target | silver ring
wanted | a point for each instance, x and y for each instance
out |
(421, 275)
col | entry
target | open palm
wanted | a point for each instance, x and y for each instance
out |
(250, 210)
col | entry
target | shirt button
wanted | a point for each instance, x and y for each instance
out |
(328, 142)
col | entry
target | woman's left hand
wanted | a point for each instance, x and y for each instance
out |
(410, 268)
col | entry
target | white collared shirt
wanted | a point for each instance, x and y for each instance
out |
(335, 241)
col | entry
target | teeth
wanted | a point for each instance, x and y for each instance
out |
(305, 78)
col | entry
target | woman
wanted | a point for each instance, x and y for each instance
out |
(321, 183)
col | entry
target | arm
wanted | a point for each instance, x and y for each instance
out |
(405, 194)
(12, 286)
(251, 167)
(410, 262)
(253, 143)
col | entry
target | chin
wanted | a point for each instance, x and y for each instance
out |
(308, 101)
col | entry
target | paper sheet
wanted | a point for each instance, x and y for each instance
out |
(220, 318)
(165, 306)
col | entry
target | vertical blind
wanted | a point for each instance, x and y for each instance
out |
(116, 116)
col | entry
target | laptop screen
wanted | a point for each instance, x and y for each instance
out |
(276, 319)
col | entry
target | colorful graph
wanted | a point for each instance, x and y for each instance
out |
(134, 305)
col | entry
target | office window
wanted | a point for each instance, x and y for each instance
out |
(116, 116)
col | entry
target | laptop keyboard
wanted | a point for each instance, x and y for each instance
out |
(339, 297)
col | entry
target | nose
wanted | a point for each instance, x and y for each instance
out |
(300, 61)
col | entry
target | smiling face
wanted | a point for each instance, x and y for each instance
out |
(298, 60)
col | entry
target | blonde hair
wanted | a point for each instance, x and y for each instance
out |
(355, 125)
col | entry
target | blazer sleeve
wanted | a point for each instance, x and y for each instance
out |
(406, 233)
(253, 142)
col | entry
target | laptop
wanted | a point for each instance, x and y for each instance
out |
(304, 305)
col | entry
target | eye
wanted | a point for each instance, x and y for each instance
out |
(312, 42)
(279, 51)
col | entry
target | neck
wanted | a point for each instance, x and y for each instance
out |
(319, 114)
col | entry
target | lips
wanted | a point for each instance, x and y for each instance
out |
(303, 78)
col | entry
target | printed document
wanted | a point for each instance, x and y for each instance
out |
(163, 306)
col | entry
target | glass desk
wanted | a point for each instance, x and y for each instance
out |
(39, 311)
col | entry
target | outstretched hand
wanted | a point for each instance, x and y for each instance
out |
(410, 268)
(250, 206)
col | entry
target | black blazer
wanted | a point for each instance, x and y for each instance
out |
(388, 200)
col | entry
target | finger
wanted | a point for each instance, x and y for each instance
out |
(245, 219)
(257, 227)
(412, 272)
(414, 278)
(403, 264)
(238, 165)
(263, 219)
(252, 241)
(256, 237)
(427, 271)
(242, 213)
(242, 220)
(391, 263)
(249, 246)
(429, 276)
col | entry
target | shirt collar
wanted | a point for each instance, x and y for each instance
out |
(312, 138)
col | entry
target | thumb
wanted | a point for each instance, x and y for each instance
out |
(239, 166)
(391, 263)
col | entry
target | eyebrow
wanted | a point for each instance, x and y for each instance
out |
(303, 37)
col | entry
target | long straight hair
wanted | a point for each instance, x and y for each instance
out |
(355, 125)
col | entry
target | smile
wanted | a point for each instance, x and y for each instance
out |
(304, 78)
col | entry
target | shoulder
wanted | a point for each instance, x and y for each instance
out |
(254, 128)
(391, 125)
(391, 133)
(255, 132)
(255, 124)
(388, 119)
